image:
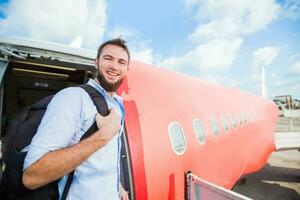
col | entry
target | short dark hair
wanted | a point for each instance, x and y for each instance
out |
(116, 42)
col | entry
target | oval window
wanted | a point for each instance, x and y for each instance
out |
(248, 117)
(225, 124)
(245, 117)
(199, 131)
(214, 126)
(233, 121)
(241, 120)
(252, 117)
(177, 138)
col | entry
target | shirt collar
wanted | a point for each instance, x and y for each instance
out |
(98, 87)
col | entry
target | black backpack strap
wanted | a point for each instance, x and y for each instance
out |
(97, 98)
(102, 108)
(101, 105)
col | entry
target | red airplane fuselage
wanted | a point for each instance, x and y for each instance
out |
(155, 99)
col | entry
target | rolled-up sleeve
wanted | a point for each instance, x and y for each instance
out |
(58, 126)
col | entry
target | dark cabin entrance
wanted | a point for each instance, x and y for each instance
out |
(27, 80)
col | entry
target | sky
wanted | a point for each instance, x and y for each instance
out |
(223, 41)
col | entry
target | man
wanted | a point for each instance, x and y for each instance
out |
(55, 149)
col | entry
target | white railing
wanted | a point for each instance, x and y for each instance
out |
(198, 189)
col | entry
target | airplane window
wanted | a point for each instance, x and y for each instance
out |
(253, 116)
(244, 121)
(177, 138)
(199, 131)
(233, 121)
(245, 118)
(225, 124)
(214, 126)
(248, 117)
(237, 117)
(241, 120)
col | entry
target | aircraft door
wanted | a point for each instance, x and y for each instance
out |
(3, 67)
(125, 167)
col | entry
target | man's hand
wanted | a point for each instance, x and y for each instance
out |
(109, 125)
(123, 193)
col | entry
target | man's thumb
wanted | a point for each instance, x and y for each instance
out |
(112, 111)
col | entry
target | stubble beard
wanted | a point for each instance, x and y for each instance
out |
(108, 87)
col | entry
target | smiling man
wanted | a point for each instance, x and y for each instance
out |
(111, 69)
(56, 149)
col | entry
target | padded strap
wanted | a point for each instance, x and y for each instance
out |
(97, 98)
(102, 108)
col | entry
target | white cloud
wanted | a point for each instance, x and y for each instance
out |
(222, 24)
(296, 67)
(55, 20)
(274, 75)
(216, 55)
(145, 55)
(231, 18)
(190, 3)
(285, 86)
(122, 32)
(294, 57)
(291, 9)
(255, 77)
(216, 29)
(263, 57)
(139, 48)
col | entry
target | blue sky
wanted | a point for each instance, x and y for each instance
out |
(223, 41)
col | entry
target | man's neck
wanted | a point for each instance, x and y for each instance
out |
(111, 94)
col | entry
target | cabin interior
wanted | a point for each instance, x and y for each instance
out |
(26, 82)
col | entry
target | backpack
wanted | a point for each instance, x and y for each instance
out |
(20, 134)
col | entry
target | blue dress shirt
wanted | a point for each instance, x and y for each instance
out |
(69, 115)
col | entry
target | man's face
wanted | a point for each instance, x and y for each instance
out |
(112, 67)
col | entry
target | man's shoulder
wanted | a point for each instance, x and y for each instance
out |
(71, 96)
(72, 92)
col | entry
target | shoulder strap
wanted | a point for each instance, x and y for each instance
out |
(97, 98)
(101, 105)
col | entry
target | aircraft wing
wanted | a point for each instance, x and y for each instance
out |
(287, 140)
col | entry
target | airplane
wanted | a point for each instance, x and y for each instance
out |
(185, 138)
